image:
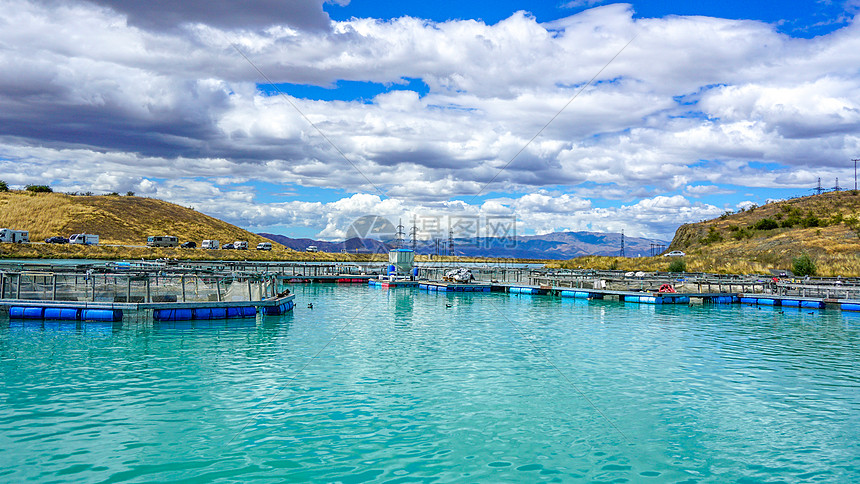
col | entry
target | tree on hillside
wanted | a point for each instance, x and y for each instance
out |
(3, 186)
(678, 265)
(766, 224)
(39, 189)
(803, 265)
(854, 224)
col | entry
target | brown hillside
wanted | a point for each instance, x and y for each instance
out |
(117, 220)
(824, 226)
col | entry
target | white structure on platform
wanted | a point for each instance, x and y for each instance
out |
(402, 260)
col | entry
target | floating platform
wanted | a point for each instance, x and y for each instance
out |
(328, 279)
(161, 311)
(795, 301)
(581, 294)
(391, 284)
(453, 287)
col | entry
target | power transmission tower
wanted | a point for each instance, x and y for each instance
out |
(414, 234)
(621, 253)
(818, 189)
(836, 188)
(450, 242)
(398, 239)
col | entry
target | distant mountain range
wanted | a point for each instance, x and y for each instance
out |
(557, 245)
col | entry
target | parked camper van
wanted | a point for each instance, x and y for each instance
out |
(210, 244)
(162, 241)
(240, 245)
(85, 239)
(264, 246)
(312, 248)
(15, 236)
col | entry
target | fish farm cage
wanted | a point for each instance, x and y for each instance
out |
(135, 288)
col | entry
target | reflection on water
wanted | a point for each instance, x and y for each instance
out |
(81, 327)
(403, 385)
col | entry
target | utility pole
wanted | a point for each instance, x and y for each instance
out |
(450, 242)
(414, 233)
(855, 160)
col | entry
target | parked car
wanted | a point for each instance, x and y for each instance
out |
(189, 245)
(674, 253)
(264, 246)
(57, 239)
(227, 246)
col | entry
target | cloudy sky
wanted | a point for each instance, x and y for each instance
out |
(299, 116)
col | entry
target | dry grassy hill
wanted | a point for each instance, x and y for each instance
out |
(116, 219)
(759, 239)
(824, 226)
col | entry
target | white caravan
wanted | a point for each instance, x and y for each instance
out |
(15, 236)
(85, 239)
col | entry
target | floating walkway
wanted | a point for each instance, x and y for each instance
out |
(659, 298)
(385, 283)
(453, 287)
(327, 279)
(640, 297)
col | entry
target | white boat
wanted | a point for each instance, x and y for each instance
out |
(461, 275)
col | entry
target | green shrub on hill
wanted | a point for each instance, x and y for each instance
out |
(678, 265)
(766, 224)
(39, 189)
(803, 265)
(713, 236)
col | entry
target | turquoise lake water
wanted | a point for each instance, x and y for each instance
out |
(375, 385)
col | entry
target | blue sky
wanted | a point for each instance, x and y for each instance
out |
(795, 18)
(403, 109)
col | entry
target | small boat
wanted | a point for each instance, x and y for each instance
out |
(461, 275)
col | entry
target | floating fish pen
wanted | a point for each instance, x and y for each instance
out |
(108, 294)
